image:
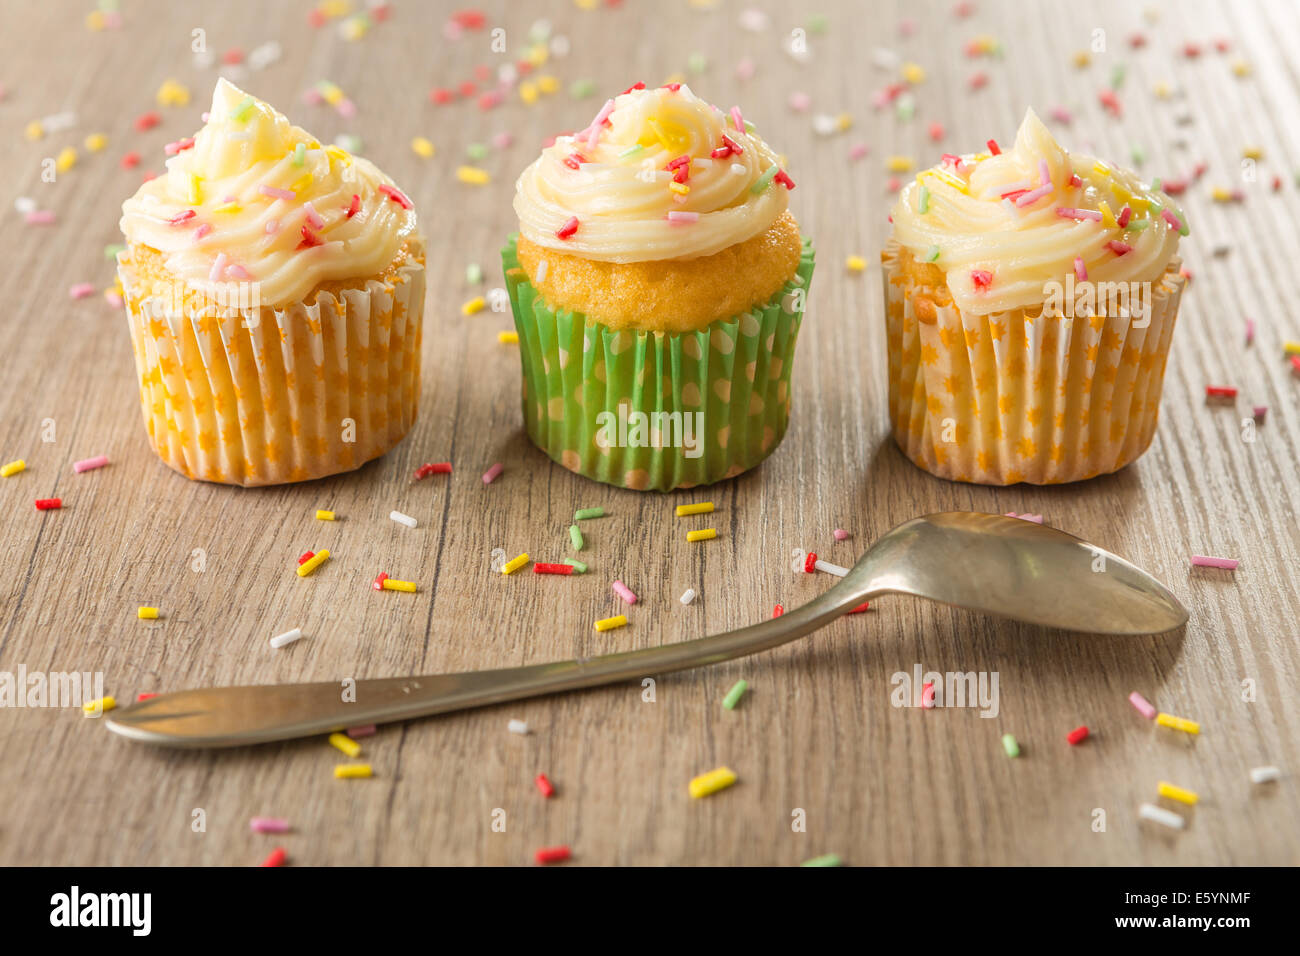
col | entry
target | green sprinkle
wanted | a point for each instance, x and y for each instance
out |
(1137, 225)
(830, 859)
(476, 150)
(1139, 155)
(1156, 186)
(932, 254)
(817, 23)
(762, 182)
(581, 89)
(578, 566)
(584, 513)
(631, 151)
(733, 696)
(473, 273)
(697, 63)
(1117, 76)
(110, 252)
(575, 536)
(540, 31)
(923, 203)
(1010, 746)
(749, 127)
(906, 108)
(300, 154)
(240, 112)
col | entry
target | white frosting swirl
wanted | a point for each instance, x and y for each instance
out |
(621, 195)
(1024, 247)
(213, 222)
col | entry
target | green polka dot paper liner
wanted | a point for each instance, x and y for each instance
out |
(657, 410)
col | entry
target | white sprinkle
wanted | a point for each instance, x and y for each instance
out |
(824, 124)
(59, 121)
(688, 596)
(264, 55)
(403, 519)
(738, 169)
(559, 46)
(884, 59)
(1265, 774)
(288, 637)
(517, 727)
(702, 163)
(541, 270)
(25, 204)
(830, 568)
(1156, 814)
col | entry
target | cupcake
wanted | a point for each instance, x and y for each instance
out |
(1030, 299)
(274, 290)
(658, 283)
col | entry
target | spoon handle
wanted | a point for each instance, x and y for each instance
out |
(234, 716)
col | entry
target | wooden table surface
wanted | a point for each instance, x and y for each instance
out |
(816, 732)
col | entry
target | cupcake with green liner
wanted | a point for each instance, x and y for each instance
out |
(658, 283)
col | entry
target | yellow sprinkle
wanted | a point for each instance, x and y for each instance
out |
(67, 158)
(34, 130)
(228, 207)
(1252, 152)
(945, 177)
(653, 123)
(1291, 348)
(538, 54)
(1162, 90)
(680, 189)
(331, 94)
(703, 508)
(1100, 168)
(147, 614)
(354, 28)
(346, 744)
(548, 84)
(12, 468)
(528, 92)
(1081, 59)
(314, 562)
(323, 515)
(703, 534)
(352, 771)
(95, 142)
(712, 782)
(474, 305)
(508, 338)
(196, 191)
(1240, 68)
(514, 564)
(855, 263)
(422, 147)
(341, 155)
(95, 20)
(844, 122)
(1219, 194)
(609, 623)
(103, 703)
(302, 182)
(899, 164)
(473, 175)
(1177, 793)
(1178, 723)
(333, 9)
(1107, 217)
(393, 585)
(913, 73)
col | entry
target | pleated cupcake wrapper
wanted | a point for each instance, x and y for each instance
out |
(1008, 397)
(268, 396)
(735, 373)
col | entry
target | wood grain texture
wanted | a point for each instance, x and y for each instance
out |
(816, 731)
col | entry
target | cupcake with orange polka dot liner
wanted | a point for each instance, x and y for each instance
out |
(274, 289)
(1030, 302)
(658, 283)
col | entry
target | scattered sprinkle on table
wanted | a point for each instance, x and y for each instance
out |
(49, 504)
(688, 596)
(778, 610)
(702, 534)
(855, 263)
(345, 744)
(322, 515)
(517, 727)
(1265, 774)
(514, 564)
(1010, 746)
(1171, 792)
(99, 705)
(864, 606)
(1178, 723)
(352, 771)
(829, 568)
(609, 623)
(584, 513)
(268, 825)
(473, 175)
(552, 854)
(492, 473)
(578, 566)
(733, 696)
(473, 306)
(147, 613)
(1226, 564)
(11, 469)
(314, 562)
(1149, 811)
(828, 859)
(391, 584)
(403, 519)
(1142, 705)
(541, 567)
(1077, 736)
(810, 562)
(703, 508)
(276, 857)
(711, 782)
(575, 537)
(288, 637)
(839, 534)
(623, 591)
(508, 338)
(544, 785)
(90, 464)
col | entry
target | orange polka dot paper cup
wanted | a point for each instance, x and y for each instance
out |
(245, 394)
(1022, 395)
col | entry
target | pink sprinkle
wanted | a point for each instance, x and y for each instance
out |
(313, 217)
(1125, 215)
(1170, 218)
(502, 140)
(683, 217)
(936, 132)
(237, 271)
(1227, 564)
(593, 131)
(218, 268)
(268, 825)
(1250, 331)
(1034, 195)
(368, 730)
(272, 226)
(978, 80)
(113, 298)
(347, 109)
(171, 149)
(1069, 212)
(1044, 174)
(799, 102)
(202, 231)
(839, 534)
(396, 195)
(90, 464)
(182, 217)
(568, 229)
(1080, 270)
(277, 193)
(39, 217)
(859, 151)
(622, 591)
(1119, 248)
(1061, 115)
(1142, 705)
(491, 474)
(737, 120)
(745, 68)
(81, 290)
(981, 278)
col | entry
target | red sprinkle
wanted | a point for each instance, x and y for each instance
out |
(379, 581)
(778, 610)
(147, 121)
(490, 100)
(441, 95)
(48, 504)
(542, 567)
(784, 179)
(732, 144)
(927, 695)
(1110, 100)
(1220, 391)
(679, 161)
(543, 784)
(1075, 181)
(682, 173)
(396, 195)
(722, 152)
(1077, 735)
(355, 206)
(467, 89)
(993, 147)
(131, 160)
(982, 278)
(306, 556)
(672, 87)
(634, 86)
(568, 229)
(181, 217)
(864, 606)
(1119, 248)
(1125, 215)
(810, 562)
(470, 19)
(233, 56)
(553, 855)
(310, 239)
(978, 81)
(140, 697)
(574, 160)
(1295, 364)
(276, 858)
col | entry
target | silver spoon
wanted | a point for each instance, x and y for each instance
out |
(1003, 566)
